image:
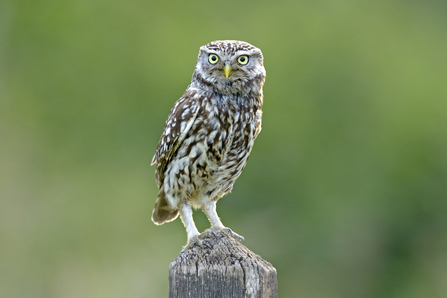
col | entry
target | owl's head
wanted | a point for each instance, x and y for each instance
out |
(229, 67)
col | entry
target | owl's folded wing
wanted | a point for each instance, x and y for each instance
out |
(179, 121)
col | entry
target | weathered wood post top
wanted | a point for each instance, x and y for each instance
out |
(228, 269)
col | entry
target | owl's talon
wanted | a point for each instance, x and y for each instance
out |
(234, 235)
(195, 241)
(208, 233)
(206, 244)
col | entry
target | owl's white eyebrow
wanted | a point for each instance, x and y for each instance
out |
(241, 53)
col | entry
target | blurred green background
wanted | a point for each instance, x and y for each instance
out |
(345, 192)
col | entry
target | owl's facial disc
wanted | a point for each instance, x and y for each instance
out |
(227, 70)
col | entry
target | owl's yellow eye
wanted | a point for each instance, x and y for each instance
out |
(242, 60)
(213, 59)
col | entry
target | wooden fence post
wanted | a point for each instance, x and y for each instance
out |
(229, 269)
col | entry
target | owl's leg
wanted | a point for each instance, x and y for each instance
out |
(216, 225)
(210, 211)
(193, 234)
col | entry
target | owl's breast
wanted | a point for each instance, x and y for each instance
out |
(230, 144)
(214, 152)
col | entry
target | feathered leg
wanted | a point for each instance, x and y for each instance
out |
(216, 225)
(193, 234)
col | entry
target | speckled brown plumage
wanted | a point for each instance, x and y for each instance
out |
(209, 135)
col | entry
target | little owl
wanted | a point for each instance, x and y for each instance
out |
(208, 136)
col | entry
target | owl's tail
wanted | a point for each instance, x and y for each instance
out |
(163, 212)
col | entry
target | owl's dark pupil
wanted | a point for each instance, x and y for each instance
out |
(242, 59)
(214, 58)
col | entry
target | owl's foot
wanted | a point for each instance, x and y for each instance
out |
(195, 241)
(212, 232)
(236, 236)
(208, 234)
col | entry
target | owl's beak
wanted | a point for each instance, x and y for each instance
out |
(227, 70)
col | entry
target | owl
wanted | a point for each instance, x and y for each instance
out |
(208, 136)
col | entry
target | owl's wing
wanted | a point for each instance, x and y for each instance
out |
(179, 121)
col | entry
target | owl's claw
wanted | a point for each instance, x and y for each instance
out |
(195, 241)
(238, 237)
(208, 233)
